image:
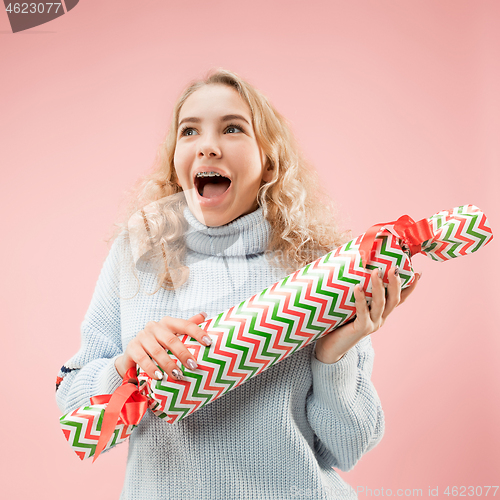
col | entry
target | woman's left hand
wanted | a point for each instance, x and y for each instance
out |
(331, 347)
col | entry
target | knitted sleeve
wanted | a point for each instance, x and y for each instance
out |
(91, 370)
(344, 409)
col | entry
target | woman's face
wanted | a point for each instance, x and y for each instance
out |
(216, 135)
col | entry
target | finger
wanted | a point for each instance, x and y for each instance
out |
(408, 291)
(378, 296)
(187, 327)
(393, 291)
(141, 358)
(198, 318)
(155, 348)
(363, 319)
(163, 338)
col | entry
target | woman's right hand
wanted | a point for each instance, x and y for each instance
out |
(152, 343)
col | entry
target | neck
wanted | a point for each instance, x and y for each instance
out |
(247, 234)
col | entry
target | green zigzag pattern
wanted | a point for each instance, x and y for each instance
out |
(328, 265)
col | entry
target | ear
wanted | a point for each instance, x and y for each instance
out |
(267, 174)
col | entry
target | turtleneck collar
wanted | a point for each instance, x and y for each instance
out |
(246, 235)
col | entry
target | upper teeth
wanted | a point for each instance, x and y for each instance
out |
(208, 174)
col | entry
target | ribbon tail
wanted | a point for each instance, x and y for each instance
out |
(100, 400)
(112, 414)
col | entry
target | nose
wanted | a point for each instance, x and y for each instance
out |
(211, 152)
(209, 148)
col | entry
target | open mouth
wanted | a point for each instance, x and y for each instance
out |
(210, 187)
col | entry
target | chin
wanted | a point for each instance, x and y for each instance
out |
(208, 219)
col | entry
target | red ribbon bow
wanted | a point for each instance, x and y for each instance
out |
(126, 403)
(412, 233)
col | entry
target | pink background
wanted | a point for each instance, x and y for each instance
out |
(395, 102)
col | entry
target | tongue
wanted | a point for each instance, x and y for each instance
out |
(213, 189)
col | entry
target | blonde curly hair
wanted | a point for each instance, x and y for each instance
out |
(301, 215)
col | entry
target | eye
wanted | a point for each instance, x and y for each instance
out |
(234, 127)
(187, 131)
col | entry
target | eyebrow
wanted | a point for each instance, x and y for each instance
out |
(225, 118)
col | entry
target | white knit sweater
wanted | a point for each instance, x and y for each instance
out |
(277, 436)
